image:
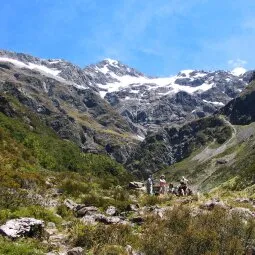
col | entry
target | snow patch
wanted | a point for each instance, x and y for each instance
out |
(152, 84)
(215, 103)
(103, 70)
(140, 138)
(32, 66)
(54, 61)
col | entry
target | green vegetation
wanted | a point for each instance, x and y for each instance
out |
(24, 152)
(210, 233)
(24, 247)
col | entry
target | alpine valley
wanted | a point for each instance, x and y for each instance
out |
(72, 139)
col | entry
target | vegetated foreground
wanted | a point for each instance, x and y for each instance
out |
(84, 205)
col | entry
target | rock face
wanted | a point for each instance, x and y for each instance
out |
(153, 102)
(63, 97)
(146, 102)
(29, 227)
(173, 144)
(241, 111)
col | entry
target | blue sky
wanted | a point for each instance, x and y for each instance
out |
(158, 37)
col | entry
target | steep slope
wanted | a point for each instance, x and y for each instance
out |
(74, 111)
(170, 145)
(228, 166)
(27, 148)
(241, 111)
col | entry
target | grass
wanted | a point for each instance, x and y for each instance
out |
(24, 247)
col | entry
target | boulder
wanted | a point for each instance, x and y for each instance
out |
(70, 204)
(243, 200)
(29, 227)
(136, 185)
(111, 210)
(98, 217)
(221, 161)
(131, 251)
(209, 205)
(133, 207)
(138, 220)
(82, 210)
(76, 251)
(244, 213)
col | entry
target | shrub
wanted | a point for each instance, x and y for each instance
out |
(100, 235)
(213, 232)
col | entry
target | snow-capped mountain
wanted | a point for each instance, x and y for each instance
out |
(153, 101)
(146, 101)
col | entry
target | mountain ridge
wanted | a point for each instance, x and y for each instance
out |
(146, 102)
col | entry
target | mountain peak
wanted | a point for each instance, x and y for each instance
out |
(111, 61)
(238, 71)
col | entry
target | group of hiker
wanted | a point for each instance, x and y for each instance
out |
(163, 187)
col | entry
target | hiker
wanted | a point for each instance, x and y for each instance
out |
(162, 184)
(183, 186)
(150, 185)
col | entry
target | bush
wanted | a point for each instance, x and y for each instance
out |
(212, 232)
(98, 236)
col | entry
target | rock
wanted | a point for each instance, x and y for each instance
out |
(50, 229)
(82, 210)
(58, 240)
(89, 220)
(221, 161)
(136, 185)
(49, 184)
(243, 200)
(70, 204)
(111, 210)
(209, 205)
(51, 225)
(29, 227)
(98, 217)
(244, 213)
(76, 251)
(138, 220)
(250, 250)
(133, 207)
(131, 251)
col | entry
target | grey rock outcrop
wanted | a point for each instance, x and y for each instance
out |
(29, 227)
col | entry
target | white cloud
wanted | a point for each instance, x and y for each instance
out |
(237, 63)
